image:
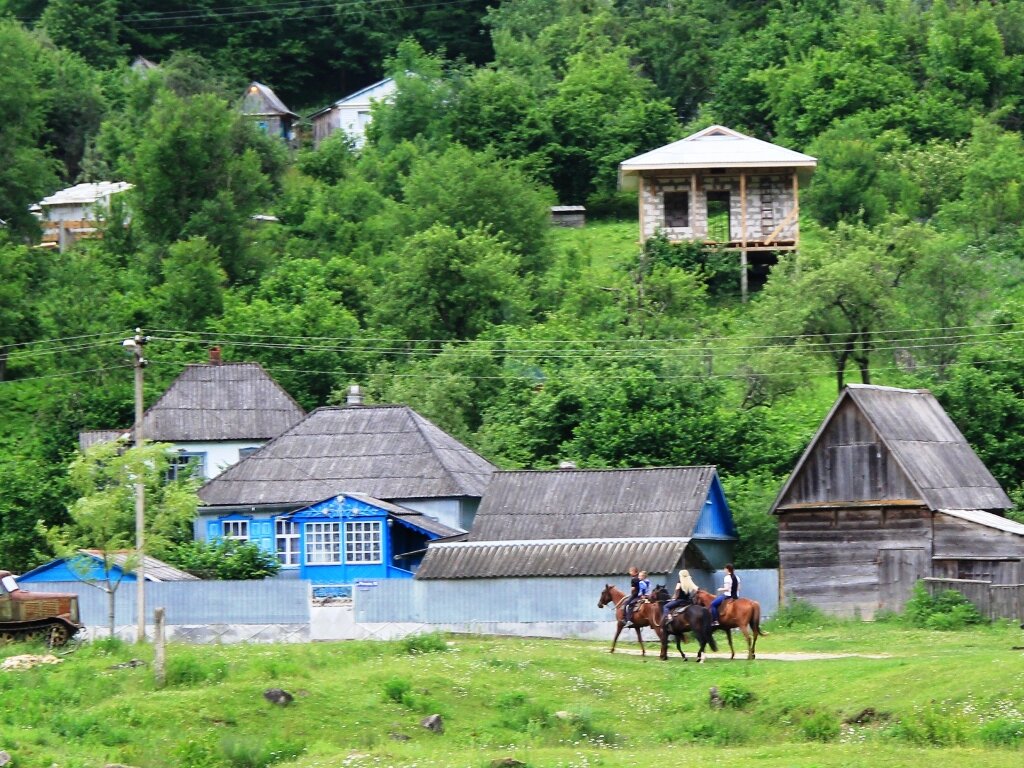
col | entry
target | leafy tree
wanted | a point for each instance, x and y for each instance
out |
(468, 191)
(102, 518)
(20, 274)
(193, 285)
(26, 171)
(447, 284)
(90, 28)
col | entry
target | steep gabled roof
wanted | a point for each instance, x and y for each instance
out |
(387, 452)
(229, 401)
(593, 503)
(362, 97)
(935, 457)
(395, 512)
(260, 99)
(714, 147)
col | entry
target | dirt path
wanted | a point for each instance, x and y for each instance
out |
(691, 654)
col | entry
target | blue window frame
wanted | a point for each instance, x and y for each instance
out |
(185, 464)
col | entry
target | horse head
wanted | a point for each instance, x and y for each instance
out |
(659, 594)
(606, 596)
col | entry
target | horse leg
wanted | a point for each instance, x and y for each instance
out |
(680, 648)
(732, 651)
(641, 641)
(746, 636)
(618, 630)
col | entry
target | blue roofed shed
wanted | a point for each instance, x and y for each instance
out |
(88, 566)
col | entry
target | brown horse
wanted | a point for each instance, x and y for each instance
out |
(644, 615)
(741, 614)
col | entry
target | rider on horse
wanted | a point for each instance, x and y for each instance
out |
(639, 586)
(730, 589)
(685, 590)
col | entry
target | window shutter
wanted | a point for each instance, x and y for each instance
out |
(262, 532)
(213, 530)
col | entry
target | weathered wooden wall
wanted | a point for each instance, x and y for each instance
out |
(849, 463)
(993, 601)
(854, 560)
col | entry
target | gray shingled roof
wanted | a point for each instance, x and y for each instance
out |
(230, 401)
(387, 452)
(579, 557)
(93, 436)
(926, 443)
(260, 99)
(592, 503)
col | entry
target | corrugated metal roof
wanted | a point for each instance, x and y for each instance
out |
(260, 99)
(155, 570)
(565, 557)
(386, 452)
(230, 401)
(936, 457)
(85, 193)
(714, 147)
(592, 503)
(987, 519)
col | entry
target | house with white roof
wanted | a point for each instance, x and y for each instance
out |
(350, 114)
(71, 214)
(721, 188)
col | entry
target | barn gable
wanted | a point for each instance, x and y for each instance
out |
(882, 444)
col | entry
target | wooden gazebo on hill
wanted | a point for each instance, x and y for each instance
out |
(721, 188)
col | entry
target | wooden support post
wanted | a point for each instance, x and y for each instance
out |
(693, 205)
(796, 210)
(743, 235)
(159, 649)
(640, 197)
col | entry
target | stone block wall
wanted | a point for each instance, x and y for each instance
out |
(769, 202)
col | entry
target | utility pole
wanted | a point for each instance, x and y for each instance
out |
(136, 345)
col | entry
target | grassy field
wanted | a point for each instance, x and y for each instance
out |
(913, 697)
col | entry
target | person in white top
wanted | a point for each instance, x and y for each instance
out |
(730, 589)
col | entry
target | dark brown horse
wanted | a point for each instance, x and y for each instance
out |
(644, 615)
(741, 614)
(691, 618)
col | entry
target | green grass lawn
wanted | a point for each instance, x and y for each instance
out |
(955, 697)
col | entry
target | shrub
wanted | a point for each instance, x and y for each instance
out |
(947, 610)
(432, 642)
(255, 752)
(225, 559)
(929, 727)
(398, 690)
(820, 726)
(1002, 732)
(735, 695)
(799, 613)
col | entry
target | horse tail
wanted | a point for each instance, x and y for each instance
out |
(755, 620)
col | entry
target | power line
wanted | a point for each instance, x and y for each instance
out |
(65, 375)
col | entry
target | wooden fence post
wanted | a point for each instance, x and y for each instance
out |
(159, 649)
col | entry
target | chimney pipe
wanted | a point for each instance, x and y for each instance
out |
(355, 395)
(567, 465)
(215, 358)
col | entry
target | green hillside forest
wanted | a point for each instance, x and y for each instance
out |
(424, 268)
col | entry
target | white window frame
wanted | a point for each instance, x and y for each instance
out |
(234, 530)
(286, 542)
(364, 542)
(323, 543)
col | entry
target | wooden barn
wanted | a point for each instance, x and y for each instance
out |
(591, 522)
(721, 188)
(889, 492)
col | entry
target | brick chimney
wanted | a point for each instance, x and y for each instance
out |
(215, 358)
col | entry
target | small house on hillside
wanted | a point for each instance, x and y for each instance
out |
(379, 453)
(721, 188)
(261, 104)
(214, 415)
(76, 213)
(88, 566)
(889, 492)
(350, 114)
(591, 522)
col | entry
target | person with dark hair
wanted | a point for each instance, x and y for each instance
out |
(730, 589)
(633, 597)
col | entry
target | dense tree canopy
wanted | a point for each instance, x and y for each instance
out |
(422, 264)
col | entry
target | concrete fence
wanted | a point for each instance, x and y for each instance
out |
(285, 610)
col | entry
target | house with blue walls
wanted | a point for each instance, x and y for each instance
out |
(592, 522)
(88, 565)
(387, 458)
(345, 539)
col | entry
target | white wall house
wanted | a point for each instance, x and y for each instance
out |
(73, 213)
(350, 114)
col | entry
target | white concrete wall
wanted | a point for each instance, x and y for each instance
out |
(219, 454)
